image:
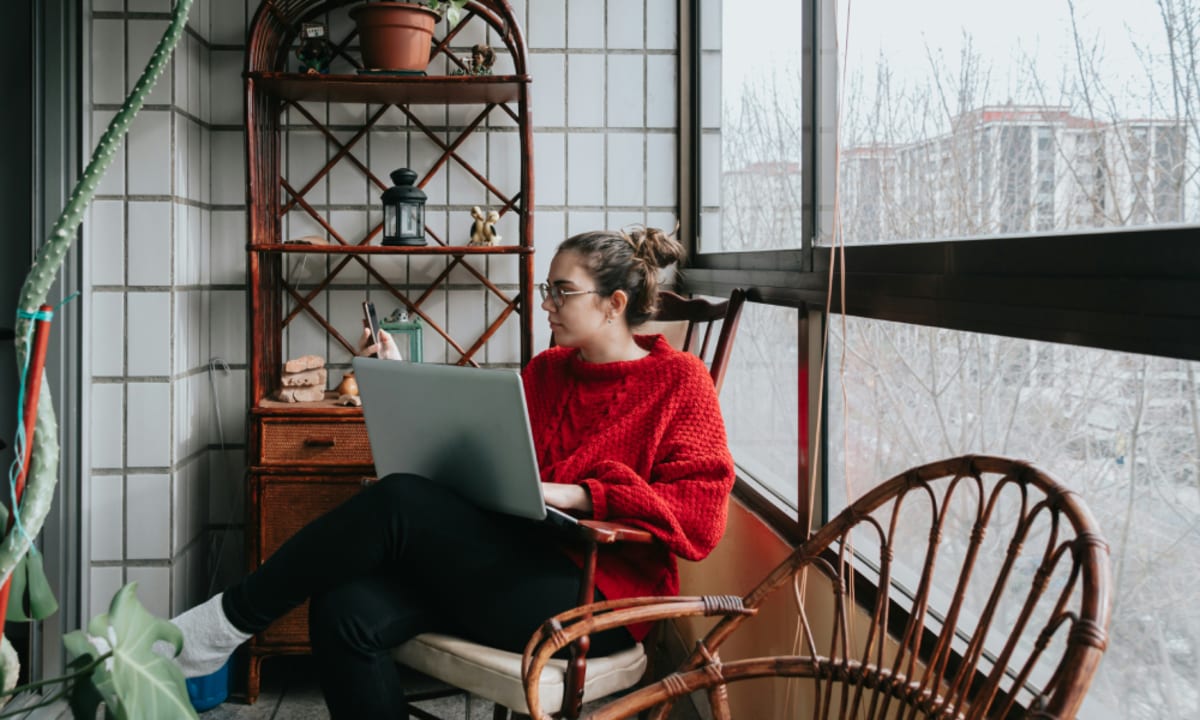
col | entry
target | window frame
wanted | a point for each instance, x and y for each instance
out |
(1127, 289)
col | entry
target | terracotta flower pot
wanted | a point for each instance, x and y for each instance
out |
(394, 35)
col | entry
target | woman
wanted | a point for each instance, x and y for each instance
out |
(626, 429)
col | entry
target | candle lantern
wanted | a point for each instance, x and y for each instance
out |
(403, 210)
(406, 333)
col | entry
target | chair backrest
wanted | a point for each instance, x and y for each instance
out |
(987, 596)
(689, 324)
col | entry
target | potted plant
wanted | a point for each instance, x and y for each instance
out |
(395, 35)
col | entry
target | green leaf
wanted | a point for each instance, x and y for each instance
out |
(80, 652)
(42, 603)
(86, 693)
(16, 593)
(453, 11)
(97, 687)
(149, 685)
(29, 583)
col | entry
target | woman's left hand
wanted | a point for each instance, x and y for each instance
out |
(572, 498)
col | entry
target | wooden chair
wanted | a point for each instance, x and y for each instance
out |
(1003, 612)
(688, 324)
(496, 675)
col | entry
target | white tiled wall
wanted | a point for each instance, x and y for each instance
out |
(165, 244)
(147, 242)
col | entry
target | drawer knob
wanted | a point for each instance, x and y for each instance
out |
(319, 442)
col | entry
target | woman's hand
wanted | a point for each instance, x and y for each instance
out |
(385, 348)
(572, 498)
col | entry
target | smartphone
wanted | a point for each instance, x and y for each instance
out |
(371, 320)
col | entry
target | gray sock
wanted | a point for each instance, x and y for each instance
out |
(208, 639)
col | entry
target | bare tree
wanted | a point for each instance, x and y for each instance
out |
(944, 159)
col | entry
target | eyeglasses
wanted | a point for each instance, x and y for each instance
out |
(557, 294)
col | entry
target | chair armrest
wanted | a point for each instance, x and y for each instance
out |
(605, 533)
(567, 628)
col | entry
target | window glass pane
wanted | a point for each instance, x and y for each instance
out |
(760, 399)
(968, 119)
(750, 119)
(1122, 430)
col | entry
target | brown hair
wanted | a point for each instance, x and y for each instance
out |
(627, 260)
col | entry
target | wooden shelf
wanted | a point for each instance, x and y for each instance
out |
(393, 89)
(327, 406)
(305, 458)
(270, 248)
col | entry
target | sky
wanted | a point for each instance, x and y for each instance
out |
(764, 34)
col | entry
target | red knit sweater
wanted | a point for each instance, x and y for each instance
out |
(646, 439)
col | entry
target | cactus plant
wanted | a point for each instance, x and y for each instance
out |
(113, 663)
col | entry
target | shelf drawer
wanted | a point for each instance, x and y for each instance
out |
(314, 442)
(285, 505)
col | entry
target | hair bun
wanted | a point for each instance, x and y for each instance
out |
(655, 247)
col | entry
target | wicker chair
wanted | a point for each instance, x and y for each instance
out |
(991, 548)
(496, 675)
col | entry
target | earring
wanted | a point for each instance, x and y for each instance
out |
(610, 321)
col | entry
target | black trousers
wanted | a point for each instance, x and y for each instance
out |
(402, 557)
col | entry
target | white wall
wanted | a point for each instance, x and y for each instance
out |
(165, 242)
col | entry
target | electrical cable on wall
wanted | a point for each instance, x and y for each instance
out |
(216, 546)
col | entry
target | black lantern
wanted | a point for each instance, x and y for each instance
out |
(403, 210)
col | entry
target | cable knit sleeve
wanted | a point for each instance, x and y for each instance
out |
(684, 500)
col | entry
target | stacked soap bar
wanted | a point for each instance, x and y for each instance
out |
(303, 379)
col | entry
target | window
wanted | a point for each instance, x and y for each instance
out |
(761, 400)
(1014, 109)
(751, 116)
(1119, 428)
(1006, 177)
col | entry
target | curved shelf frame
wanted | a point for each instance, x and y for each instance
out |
(278, 22)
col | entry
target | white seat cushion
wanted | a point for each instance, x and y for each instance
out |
(496, 675)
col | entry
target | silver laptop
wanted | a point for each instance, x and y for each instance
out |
(465, 427)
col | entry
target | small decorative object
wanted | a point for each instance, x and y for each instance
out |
(395, 37)
(348, 385)
(349, 400)
(315, 50)
(403, 210)
(304, 362)
(483, 230)
(483, 57)
(303, 379)
(405, 333)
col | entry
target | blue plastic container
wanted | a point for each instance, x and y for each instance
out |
(209, 691)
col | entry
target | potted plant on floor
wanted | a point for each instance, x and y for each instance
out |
(395, 35)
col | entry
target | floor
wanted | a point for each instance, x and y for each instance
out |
(290, 692)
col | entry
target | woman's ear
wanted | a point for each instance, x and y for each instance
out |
(619, 301)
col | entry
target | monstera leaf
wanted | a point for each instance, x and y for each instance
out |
(135, 683)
